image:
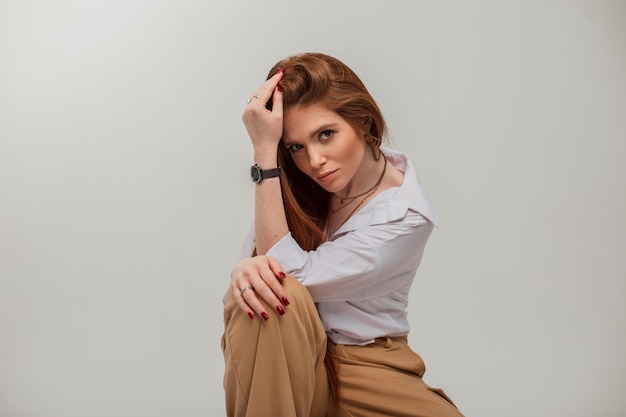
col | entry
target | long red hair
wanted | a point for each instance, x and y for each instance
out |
(315, 78)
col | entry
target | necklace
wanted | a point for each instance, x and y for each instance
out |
(349, 200)
(358, 206)
(367, 195)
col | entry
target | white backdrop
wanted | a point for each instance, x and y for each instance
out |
(124, 193)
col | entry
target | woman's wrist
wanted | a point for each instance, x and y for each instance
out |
(266, 159)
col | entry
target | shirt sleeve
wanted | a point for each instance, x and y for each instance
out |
(360, 264)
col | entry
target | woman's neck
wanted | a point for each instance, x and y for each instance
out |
(366, 177)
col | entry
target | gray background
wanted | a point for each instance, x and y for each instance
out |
(124, 193)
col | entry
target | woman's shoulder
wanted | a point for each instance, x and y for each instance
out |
(408, 192)
(394, 177)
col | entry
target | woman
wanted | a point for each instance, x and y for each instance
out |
(315, 320)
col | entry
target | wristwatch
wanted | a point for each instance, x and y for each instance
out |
(257, 174)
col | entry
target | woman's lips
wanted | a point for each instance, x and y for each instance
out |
(327, 176)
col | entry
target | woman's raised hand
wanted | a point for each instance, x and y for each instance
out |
(265, 127)
(258, 277)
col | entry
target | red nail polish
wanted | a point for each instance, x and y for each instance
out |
(280, 70)
(280, 88)
(282, 274)
(265, 316)
(285, 301)
(251, 315)
(280, 310)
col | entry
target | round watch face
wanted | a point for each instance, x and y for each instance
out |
(255, 173)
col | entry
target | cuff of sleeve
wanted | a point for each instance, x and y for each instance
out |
(288, 254)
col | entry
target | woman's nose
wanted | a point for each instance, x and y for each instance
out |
(316, 158)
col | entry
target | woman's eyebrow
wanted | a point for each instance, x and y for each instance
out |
(314, 132)
(325, 126)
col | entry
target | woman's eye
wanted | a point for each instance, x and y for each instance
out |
(295, 147)
(326, 134)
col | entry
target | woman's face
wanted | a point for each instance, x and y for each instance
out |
(323, 145)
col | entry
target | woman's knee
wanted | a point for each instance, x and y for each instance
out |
(294, 288)
(298, 296)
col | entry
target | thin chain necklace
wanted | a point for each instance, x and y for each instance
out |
(349, 200)
(332, 213)
(367, 195)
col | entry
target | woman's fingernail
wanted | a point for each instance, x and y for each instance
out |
(282, 274)
(280, 88)
(285, 301)
(251, 315)
(265, 316)
(280, 310)
(280, 70)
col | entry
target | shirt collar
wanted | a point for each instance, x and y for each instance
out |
(392, 204)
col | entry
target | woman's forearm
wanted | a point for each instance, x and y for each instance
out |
(269, 213)
(265, 128)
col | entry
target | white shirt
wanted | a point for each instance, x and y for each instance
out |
(360, 278)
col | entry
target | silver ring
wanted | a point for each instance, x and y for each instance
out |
(246, 288)
(250, 99)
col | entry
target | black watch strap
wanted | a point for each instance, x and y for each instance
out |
(257, 174)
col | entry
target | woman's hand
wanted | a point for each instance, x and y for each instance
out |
(265, 127)
(259, 276)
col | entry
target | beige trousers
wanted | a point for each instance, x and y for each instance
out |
(385, 379)
(276, 368)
